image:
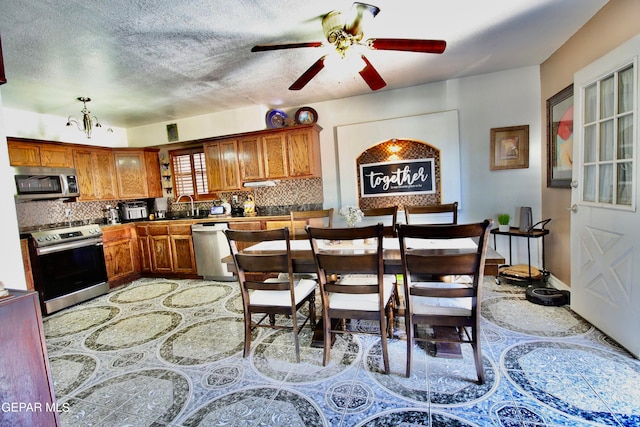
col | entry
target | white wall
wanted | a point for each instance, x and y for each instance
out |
(25, 124)
(11, 270)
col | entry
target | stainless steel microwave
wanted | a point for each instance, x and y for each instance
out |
(41, 183)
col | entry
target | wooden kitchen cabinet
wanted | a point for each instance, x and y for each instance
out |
(275, 155)
(26, 373)
(137, 173)
(221, 158)
(166, 249)
(303, 149)
(144, 250)
(154, 180)
(121, 254)
(131, 176)
(182, 252)
(250, 158)
(26, 152)
(96, 173)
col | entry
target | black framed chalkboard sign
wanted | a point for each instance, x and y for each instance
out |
(397, 178)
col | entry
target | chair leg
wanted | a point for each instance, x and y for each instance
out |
(327, 338)
(410, 332)
(383, 338)
(312, 311)
(296, 337)
(272, 319)
(247, 334)
(477, 356)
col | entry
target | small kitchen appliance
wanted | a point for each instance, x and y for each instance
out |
(133, 211)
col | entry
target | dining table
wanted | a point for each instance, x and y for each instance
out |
(303, 257)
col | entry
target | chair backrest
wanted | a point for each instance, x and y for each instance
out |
(259, 265)
(300, 219)
(388, 215)
(418, 262)
(450, 208)
(332, 261)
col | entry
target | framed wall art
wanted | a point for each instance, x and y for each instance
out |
(510, 147)
(560, 138)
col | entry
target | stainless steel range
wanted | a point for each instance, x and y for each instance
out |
(68, 265)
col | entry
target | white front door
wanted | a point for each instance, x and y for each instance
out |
(605, 224)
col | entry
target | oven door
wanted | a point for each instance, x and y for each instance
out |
(69, 273)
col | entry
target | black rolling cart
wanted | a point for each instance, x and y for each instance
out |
(523, 274)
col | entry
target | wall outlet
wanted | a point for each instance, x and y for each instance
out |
(234, 198)
(67, 212)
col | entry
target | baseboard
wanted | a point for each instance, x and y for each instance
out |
(558, 284)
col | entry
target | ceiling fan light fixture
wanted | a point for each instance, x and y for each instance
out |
(332, 25)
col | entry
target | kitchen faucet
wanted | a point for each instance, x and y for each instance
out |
(193, 211)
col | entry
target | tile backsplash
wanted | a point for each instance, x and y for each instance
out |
(287, 194)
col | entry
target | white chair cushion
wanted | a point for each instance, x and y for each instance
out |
(364, 302)
(302, 288)
(441, 306)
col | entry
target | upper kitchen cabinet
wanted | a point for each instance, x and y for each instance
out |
(154, 180)
(96, 173)
(221, 158)
(134, 172)
(303, 150)
(280, 154)
(250, 158)
(25, 152)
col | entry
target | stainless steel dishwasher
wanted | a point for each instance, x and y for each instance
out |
(210, 245)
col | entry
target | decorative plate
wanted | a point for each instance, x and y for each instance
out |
(306, 116)
(276, 119)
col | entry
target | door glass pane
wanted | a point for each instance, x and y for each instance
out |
(625, 137)
(625, 90)
(606, 141)
(589, 193)
(625, 176)
(606, 97)
(606, 184)
(590, 103)
(590, 144)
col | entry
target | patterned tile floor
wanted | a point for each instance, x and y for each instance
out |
(160, 352)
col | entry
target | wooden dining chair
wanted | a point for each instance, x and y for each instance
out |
(443, 304)
(300, 219)
(265, 290)
(431, 211)
(388, 215)
(352, 283)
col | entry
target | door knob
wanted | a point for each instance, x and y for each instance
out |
(573, 208)
(574, 184)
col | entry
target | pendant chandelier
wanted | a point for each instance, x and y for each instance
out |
(88, 121)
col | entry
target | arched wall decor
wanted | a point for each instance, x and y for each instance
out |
(439, 130)
(398, 150)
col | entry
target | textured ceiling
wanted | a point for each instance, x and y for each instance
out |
(148, 61)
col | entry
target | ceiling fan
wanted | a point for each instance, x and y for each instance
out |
(343, 34)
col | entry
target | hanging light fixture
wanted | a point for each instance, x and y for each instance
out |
(88, 121)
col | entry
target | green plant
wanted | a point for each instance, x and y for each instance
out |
(504, 218)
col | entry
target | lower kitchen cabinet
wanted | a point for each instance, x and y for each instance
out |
(26, 373)
(121, 254)
(166, 249)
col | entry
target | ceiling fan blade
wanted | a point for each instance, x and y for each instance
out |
(408, 45)
(308, 75)
(371, 76)
(267, 47)
(359, 11)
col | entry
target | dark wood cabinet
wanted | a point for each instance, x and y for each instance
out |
(24, 364)
(121, 254)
